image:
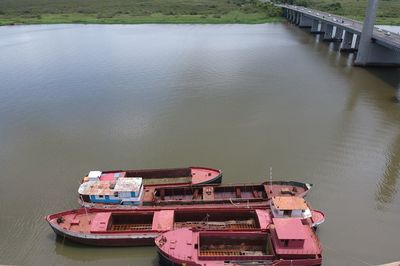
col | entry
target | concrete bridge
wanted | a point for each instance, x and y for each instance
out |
(374, 47)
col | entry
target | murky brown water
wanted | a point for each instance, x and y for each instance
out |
(242, 98)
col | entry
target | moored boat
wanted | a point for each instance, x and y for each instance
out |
(139, 228)
(162, 177)
(129, 193)
(287, 242)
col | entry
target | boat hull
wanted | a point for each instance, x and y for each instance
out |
(107, 241)
(318, 218)
(164, 260)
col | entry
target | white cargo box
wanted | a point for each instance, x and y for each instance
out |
(94, 175)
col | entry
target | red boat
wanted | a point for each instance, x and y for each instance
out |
(162, 177)
(245, 195)
(287, 242)
(138, 228)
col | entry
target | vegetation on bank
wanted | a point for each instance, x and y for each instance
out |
(388, 10)
(135, 11)
(177, 11)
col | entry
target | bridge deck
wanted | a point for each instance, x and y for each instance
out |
(381, 37)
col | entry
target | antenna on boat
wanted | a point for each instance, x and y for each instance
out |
(270, 179)
(84, 206)
(205, 220)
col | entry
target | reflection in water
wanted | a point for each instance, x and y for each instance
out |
(388, 181)
(387, 186)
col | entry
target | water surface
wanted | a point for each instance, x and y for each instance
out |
(242, 98)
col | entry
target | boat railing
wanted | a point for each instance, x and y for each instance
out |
(297, 252)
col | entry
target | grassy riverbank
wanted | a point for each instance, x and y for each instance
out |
(176, 11)
(134, 11)
(388, 11)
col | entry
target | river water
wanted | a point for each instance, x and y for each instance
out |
(242, 98)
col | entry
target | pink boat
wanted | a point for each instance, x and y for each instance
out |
(130, 193)
(162, 177)
(140, 227)
(287, 242)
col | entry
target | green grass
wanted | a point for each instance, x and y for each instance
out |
(232, 17)
(388, 10)
(136, 11)
(176, 11)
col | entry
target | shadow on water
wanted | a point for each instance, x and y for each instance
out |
(387, 183)
(81, 252)
(391, 76)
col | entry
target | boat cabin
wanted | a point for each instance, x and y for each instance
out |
(291, 237)
(120, 191)
(290, 207)
(289, 233)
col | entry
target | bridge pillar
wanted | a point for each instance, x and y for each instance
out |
(305, 21)
(298, 15)
(328, 33)
(323, 27)
(292, 16)
(369, 53)
(347, 44)
(338, 34)
(315, 26)
(357, 44)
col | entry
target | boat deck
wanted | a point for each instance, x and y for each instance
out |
(92, 221)
(167, 181)
(165, 177)
(212, 244)
(204, 195)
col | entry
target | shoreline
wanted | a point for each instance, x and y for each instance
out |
(229, 18)
(254, 18)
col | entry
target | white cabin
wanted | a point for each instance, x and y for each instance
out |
(120, 191)
(290, 207)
